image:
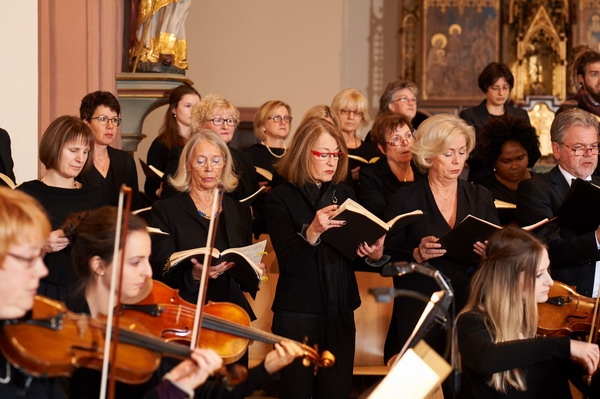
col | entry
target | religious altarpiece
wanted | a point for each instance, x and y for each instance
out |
(444, 44)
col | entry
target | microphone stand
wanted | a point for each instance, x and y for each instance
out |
(436, 310)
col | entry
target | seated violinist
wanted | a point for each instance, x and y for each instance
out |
(24, 227)
(92, 235)
(501, 355)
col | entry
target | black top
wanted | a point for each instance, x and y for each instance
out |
(178, 216)
(120, 171)
(262, 158)
(59, 203)
(573, 256)
(477, 117)
(545, 361)
(299, 284)
(366, 150)
(6, 161)
(471, 199)
(378, 183)
(158, 156)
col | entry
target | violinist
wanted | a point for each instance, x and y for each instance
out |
(205, 164)
(501, 356)
(24, 227)
(92, 234)
(316, 292)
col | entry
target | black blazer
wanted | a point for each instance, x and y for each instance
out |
(121, 171)
(378, 183)
(299, 285)
(6, 161)
(472, 199)
(572, 257)
(478, 116)
(178, 216)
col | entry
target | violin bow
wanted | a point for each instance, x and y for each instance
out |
(112, 317)
(210, 240)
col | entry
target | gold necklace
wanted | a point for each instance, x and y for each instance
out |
(75, 186)
(272, 153)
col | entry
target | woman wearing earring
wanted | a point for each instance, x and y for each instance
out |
(176, 129)
(316, 292)
(501, 355)
(66, 150)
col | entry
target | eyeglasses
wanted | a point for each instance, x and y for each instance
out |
(29, 261)
(398, 139)
(325, 156)
(218, 121)
(279, 118)
(579, 150)
(347, 112)
(500, 88)
(103, 120)
(202, 162)
(406, 100)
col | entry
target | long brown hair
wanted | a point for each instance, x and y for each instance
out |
(169, 131)
(503, 290)
(295, 164)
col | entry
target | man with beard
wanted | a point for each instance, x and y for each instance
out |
(586, 75)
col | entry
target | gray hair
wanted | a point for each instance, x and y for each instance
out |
(390, 90)
(569, 118)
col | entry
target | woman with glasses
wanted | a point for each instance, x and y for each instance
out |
(495, 81)
(112, 167)
(66, 150)
(316, 292)
(205, 163)
(400, 97)
(217, 114)
(352, 110)
(176, 129)
(272, 123)
(393, 135)
(442, 144)
(500, 352)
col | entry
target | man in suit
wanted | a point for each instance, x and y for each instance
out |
(574, 257)
(6, 161)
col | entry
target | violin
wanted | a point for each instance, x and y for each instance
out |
(55, 341)
(225, 326)
(566, 312)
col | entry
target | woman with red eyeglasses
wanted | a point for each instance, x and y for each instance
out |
(316, 292)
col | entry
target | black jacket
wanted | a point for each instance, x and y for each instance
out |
(178, 216)
(6, 161)
(573, 257)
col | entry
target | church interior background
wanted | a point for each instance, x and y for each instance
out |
(444, 44)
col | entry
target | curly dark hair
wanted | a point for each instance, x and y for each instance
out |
(508, 128)
(91, 101)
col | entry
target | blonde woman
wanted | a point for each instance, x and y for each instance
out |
(501, 356)
(352, 109)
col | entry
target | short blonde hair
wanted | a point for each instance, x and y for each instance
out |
(295, 166)
(262, 115)
(353, 99)
(435, 134)
(22, 220)
(210, 103)
(182, 181)
(321, 111)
